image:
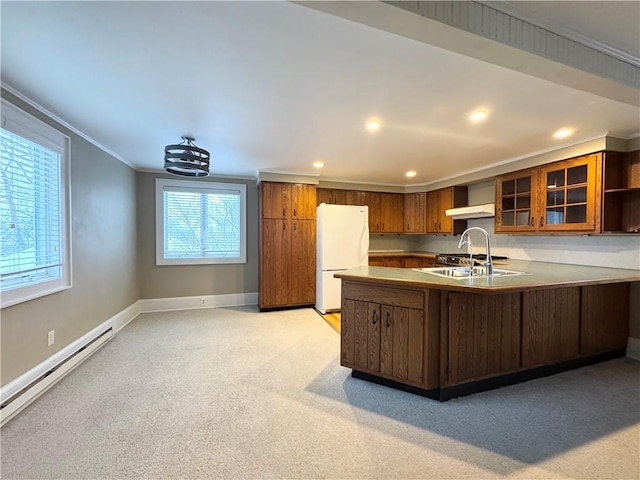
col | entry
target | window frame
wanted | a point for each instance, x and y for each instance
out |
(199, 185)
(21, 123)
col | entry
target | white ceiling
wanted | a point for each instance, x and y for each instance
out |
(274, 86)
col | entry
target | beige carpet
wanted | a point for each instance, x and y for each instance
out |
(233, 393)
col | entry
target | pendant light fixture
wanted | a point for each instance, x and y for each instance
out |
(186, 159)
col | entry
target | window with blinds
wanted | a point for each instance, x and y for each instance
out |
(200, 222)
(33, 246)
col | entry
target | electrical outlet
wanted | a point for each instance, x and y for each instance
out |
(51, 338)
(203, 301)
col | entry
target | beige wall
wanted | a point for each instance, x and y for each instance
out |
(103, 256)
(167, 281)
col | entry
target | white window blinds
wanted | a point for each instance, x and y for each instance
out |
(202, 222)
(34, 255)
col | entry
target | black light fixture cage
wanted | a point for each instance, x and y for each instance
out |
(186, 159)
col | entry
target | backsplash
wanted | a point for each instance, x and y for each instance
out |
(597, 250)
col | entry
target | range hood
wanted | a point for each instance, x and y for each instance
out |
(475, 211)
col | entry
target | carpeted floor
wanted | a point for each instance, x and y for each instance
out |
(233, 393)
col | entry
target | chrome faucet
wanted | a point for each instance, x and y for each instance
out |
(488, 264)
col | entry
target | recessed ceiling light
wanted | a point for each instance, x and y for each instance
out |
(563, 133)
(318, 164)
(373, 125)
(411, 173)
(478, 116)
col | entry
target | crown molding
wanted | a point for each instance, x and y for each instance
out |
(32, 103)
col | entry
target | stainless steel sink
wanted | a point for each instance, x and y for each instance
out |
(467, 272)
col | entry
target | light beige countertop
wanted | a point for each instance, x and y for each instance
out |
(540, 275)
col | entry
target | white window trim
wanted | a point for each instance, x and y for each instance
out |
(161, 183)
(27, 126)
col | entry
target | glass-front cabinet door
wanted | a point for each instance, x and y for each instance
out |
(516, 199)
(568, 195)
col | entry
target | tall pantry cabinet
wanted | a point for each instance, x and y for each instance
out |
(287, 245)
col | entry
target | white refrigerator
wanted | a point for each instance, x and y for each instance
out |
(342, 242)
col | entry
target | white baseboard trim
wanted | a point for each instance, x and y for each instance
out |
(200, 301)
(633, 348)
(24, 389)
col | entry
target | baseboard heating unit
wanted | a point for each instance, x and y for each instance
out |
(18, 400)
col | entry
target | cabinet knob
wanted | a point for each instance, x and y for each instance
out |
(294, 212)
(541, 221)
(282, 226)
(387, 322)
(283, 212)
(374, 317)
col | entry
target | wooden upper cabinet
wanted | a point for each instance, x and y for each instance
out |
(391, 213)
(569, 195)
(355, 197)
(332, 196)
(516, 197)
(437, 204)
(415, 212)
(276, 200)
(288, 200)
(559, 197)
(372, 200)
(303, 201)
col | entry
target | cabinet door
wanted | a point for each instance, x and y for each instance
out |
(360, 335)
(372, 200)
(276, 200)
(411, 262)
(302, 279)
(355, 197)
(391, 213)
(483, 336)
(377, 261)
(359, 312)
(394, 262)
(415, 212)
(516, 202)
(432, 217)
(550, 326)
(323, 195)
(408, 341)
(386, 340)
(604, 326)
(373, 336)
(303, 201)
(569, 199)
(402, 343)
(275, 263)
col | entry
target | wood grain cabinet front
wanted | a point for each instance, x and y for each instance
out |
(287, 245)
(415, 212)
(437, 204)
(554, 198)
(384, 337)
(483, 336)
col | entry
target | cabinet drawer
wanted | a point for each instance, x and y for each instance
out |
(401, 297)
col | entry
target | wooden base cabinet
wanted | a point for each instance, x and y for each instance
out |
(383, 337)
(443, 344)
(483, 336)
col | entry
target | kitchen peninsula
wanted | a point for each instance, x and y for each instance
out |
(444, 337)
